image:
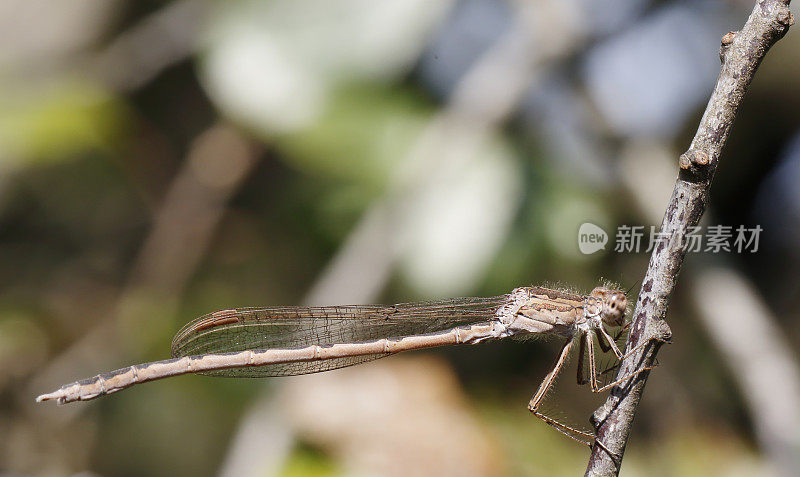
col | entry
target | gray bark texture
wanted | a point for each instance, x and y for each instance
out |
(741, 52)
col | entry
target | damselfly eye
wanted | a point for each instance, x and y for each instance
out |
(614, 310)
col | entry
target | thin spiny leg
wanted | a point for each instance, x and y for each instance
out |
(614, 456)
(615, 340)
(607, 343)
(630, 375)
(584, 438)
(620, 356)
(608, 370)
(611, 342)
(640, 346)
(537, 398)
(621, 332)
(625, 378)
(592, 363)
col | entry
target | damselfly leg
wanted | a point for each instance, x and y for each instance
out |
(586, 346)
(578, 435)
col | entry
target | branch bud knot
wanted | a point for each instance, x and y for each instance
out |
(726, 41)
(694, 165)
(693, 158)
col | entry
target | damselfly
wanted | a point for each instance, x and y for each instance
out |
(292, 340)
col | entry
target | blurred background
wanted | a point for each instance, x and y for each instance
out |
(161, 160)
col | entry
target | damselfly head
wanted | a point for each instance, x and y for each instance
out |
(614, 305)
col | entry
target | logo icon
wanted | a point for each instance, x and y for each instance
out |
(591, 238)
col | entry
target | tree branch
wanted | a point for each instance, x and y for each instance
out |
(741, 53)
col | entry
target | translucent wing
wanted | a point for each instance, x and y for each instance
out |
(284, 327)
